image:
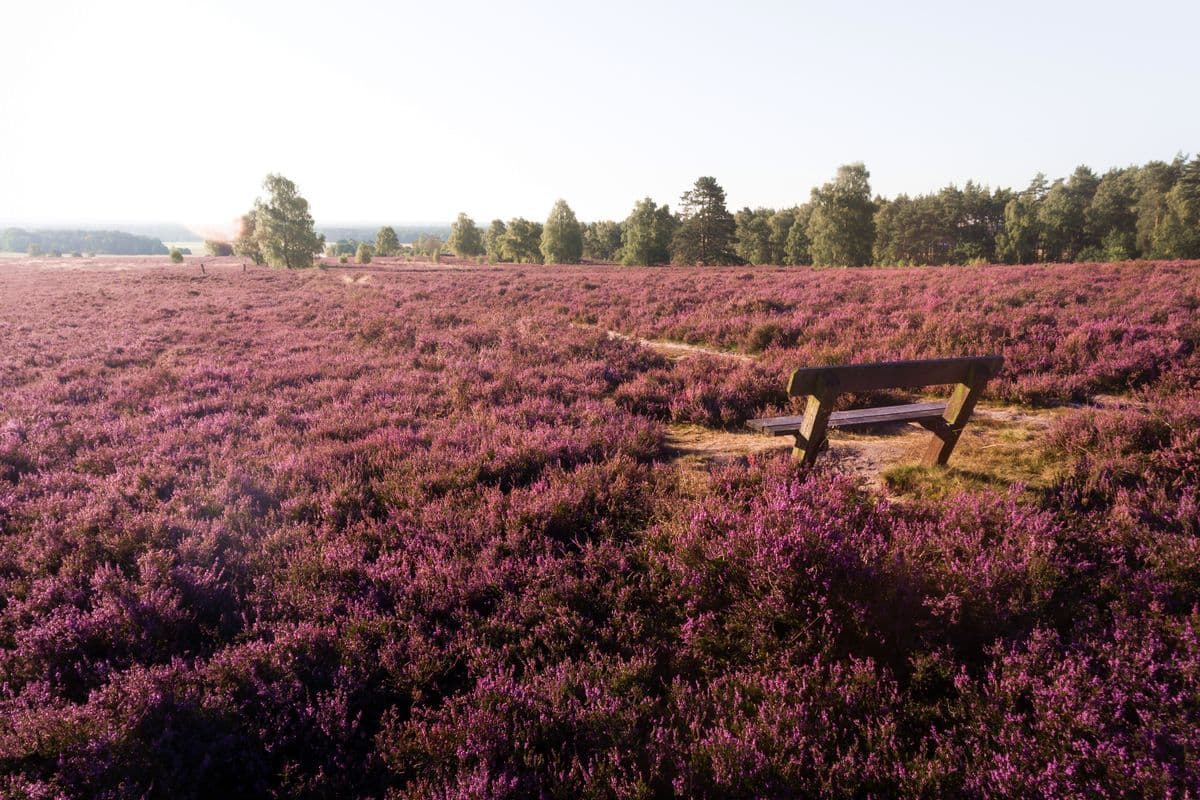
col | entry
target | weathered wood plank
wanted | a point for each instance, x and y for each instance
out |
(891, 375)
(911, 412)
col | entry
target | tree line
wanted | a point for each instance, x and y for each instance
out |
(57, 242)
(1148, 211)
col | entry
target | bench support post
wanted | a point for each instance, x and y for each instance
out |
(811, 436)
(958, 412)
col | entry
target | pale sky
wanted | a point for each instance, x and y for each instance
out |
(172, 111)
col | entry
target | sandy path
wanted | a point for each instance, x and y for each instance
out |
(678, 350)
(999, 442)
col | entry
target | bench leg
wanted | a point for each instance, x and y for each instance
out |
(947, 429)
(811, 435)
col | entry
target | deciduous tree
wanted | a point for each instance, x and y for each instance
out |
(246, 244)
(562, 238)
(283, 226)
(752, 236)
(1178, 233)
(646, 234)
(797, 249)
(465, 239)
(522, 241)
(386, 242)
(493, 240)
(602, 240)
(842, 227)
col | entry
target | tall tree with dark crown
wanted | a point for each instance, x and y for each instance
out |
(706, 232)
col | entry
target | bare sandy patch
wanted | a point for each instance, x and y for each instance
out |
(999, 446)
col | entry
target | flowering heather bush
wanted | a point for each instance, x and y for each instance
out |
(1066, 331)
(412, 534)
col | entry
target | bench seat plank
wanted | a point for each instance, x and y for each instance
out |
(910, 412)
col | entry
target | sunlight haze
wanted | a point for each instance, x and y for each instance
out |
(156, 111)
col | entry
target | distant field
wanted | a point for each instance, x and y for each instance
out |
(197, 248)
(459, 530)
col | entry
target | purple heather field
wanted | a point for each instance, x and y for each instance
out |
(415, 531)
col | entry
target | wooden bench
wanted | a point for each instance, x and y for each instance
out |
(822, 385)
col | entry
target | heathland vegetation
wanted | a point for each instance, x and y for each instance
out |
(394, 531)
(420, 533)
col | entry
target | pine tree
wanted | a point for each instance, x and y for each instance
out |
(706, 232)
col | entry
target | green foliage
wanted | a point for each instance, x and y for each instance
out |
(798, 247)
(752, 232)
(646, 234)
(1018, 242)
(465, 238)
(176, 255)
(761, 235)
(283, 226)
(602, 240)
(19, 240)
(842, 226)
(363, 254)
(1110, 218)
(562, 236)
(522, 241)
(493, 241)
(706, 231)
(779, 226)
(429, 245)
(217, 248)
(342, 247)
(246, 244)
(1177, 234)
(1061, 216)
(386, 242)
(1154, 182)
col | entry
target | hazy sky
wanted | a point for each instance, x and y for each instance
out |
(173, 111)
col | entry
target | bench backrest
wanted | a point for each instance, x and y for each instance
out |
(892, 375)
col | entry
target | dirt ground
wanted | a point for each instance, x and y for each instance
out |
(999, 446)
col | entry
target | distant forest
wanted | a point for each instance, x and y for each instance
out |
(1148, 211)
(59, 242)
